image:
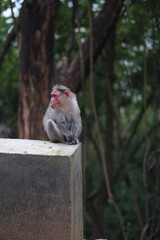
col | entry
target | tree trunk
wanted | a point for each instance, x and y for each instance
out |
(99, 232)
(36, 65)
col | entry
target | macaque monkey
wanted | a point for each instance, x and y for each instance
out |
(62, 65)
(5, 131)
(62, 121)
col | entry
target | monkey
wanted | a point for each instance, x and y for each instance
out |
(62, 120)
(62, 65)
(5, 131)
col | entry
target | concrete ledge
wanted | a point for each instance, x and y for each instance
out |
(40, 191)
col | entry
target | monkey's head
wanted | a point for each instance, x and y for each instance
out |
(64, 59)
(59, 96)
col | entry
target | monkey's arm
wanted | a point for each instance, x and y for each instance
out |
(76, 127)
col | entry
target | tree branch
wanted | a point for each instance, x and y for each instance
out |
(73, 22)
(8, 41)
(102, 26)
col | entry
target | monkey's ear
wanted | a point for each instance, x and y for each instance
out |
(66, 93)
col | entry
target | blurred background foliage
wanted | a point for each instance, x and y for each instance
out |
(135, 109)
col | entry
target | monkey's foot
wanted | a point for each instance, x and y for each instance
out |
(73, 142)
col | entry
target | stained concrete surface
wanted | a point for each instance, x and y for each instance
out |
(40, 191)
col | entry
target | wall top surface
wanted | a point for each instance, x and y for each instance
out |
(36, 147)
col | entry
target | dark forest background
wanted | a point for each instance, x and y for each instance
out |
(113, 51)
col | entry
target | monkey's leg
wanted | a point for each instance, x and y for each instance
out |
(53, 132)
(68, 137)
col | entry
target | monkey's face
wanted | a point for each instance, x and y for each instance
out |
(54, 99)
(58, 99)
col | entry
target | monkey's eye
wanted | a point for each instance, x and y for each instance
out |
(54, 95)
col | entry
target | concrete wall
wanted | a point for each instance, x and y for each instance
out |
(40, 191)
